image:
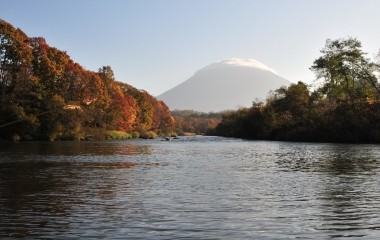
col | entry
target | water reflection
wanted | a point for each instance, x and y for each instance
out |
(342, 175)
(25, 191)
(345, 200)
(197, 188)
(49, 186)
(51, 197)
(73, 148)
(334, 159)
(346, 159)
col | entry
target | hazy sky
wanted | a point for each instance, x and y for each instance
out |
(157, 44)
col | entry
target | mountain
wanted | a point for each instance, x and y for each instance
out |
(224, 85)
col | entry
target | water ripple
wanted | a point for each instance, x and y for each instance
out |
(194, 188)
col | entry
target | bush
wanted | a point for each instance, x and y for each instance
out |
(118, 135)
(148, 135)
(135, 134)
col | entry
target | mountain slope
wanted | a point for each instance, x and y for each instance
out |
(224, 85)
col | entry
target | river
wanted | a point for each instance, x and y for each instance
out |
(189, 188)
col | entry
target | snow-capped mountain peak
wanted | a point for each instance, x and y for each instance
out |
(237, 62)
(223, 85)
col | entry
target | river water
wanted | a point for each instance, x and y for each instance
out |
(189, 188)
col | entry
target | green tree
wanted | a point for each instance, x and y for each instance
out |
(348, 75)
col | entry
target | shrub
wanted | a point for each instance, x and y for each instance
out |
(148, 135)
(135, 134)
(118, 135)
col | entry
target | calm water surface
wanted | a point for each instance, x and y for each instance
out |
(193, 187)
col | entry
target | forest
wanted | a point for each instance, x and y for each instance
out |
(190, 122)
(45, 95)
(342, 106)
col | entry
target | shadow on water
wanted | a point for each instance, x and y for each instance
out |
(344, 174)
(328, 158)
(348, 208)
(25, 190)
(73, 148)
(45, 187)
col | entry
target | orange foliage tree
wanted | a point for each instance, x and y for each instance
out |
(37, 81)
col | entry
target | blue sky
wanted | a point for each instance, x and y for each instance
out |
(157, 44)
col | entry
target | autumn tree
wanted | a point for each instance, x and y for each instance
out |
(19, 90)
(190, 121)
(38, 81)
(15, 57)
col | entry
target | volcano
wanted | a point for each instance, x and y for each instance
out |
(224, 85)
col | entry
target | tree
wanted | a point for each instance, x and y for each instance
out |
(37, 81)
(344, 109)
(15, 57)
(294, 98)
(19, 90)
(348, 75)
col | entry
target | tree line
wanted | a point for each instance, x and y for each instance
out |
(45, 95)
(344, 105)
(194, 122)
